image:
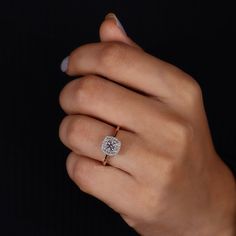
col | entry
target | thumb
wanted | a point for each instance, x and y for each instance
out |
(112, 30)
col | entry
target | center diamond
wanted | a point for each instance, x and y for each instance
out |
(111, 145)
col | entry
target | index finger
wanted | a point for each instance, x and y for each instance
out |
(126, 65)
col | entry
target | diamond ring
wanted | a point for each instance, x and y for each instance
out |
(111, 146)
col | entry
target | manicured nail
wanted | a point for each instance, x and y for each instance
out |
(118, 23)
(64, 64)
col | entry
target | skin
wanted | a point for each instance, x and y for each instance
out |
(167, 178)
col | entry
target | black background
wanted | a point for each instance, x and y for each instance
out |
(36, 195)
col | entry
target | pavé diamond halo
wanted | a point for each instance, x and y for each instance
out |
(111, 146)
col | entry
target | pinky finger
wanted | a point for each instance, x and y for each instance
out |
(113, 186)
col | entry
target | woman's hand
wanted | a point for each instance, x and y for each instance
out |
(167, 178)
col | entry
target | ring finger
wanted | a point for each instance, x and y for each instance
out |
(84, 136)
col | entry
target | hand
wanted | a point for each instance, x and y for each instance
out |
(167, 178)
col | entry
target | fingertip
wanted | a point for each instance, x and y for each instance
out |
(111, 15)
(112, 30)
(108, 30)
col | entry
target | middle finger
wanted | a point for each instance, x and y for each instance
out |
(106, 100)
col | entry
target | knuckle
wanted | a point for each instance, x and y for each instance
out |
(195, 88)
(63, 128)
(180, 135)
(81, 90)
(63, 96)
(74, 131)
(85, 88)
(182, 131)
(70, 161)
(72, 90)
(169, 170)
(111, 53)
(70, 132)
(81, 175)
(193, 92)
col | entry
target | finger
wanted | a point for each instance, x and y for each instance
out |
(106, 100)
(112, 186)
(112, 30)
(127, 66)
(84, 136)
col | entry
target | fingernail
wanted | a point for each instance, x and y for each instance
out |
(64, 64)
(118, 23)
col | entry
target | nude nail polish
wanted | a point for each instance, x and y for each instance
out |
(118, 23)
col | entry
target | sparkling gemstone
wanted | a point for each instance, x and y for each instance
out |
(111, 145)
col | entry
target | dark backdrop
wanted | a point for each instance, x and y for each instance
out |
(36, 195)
